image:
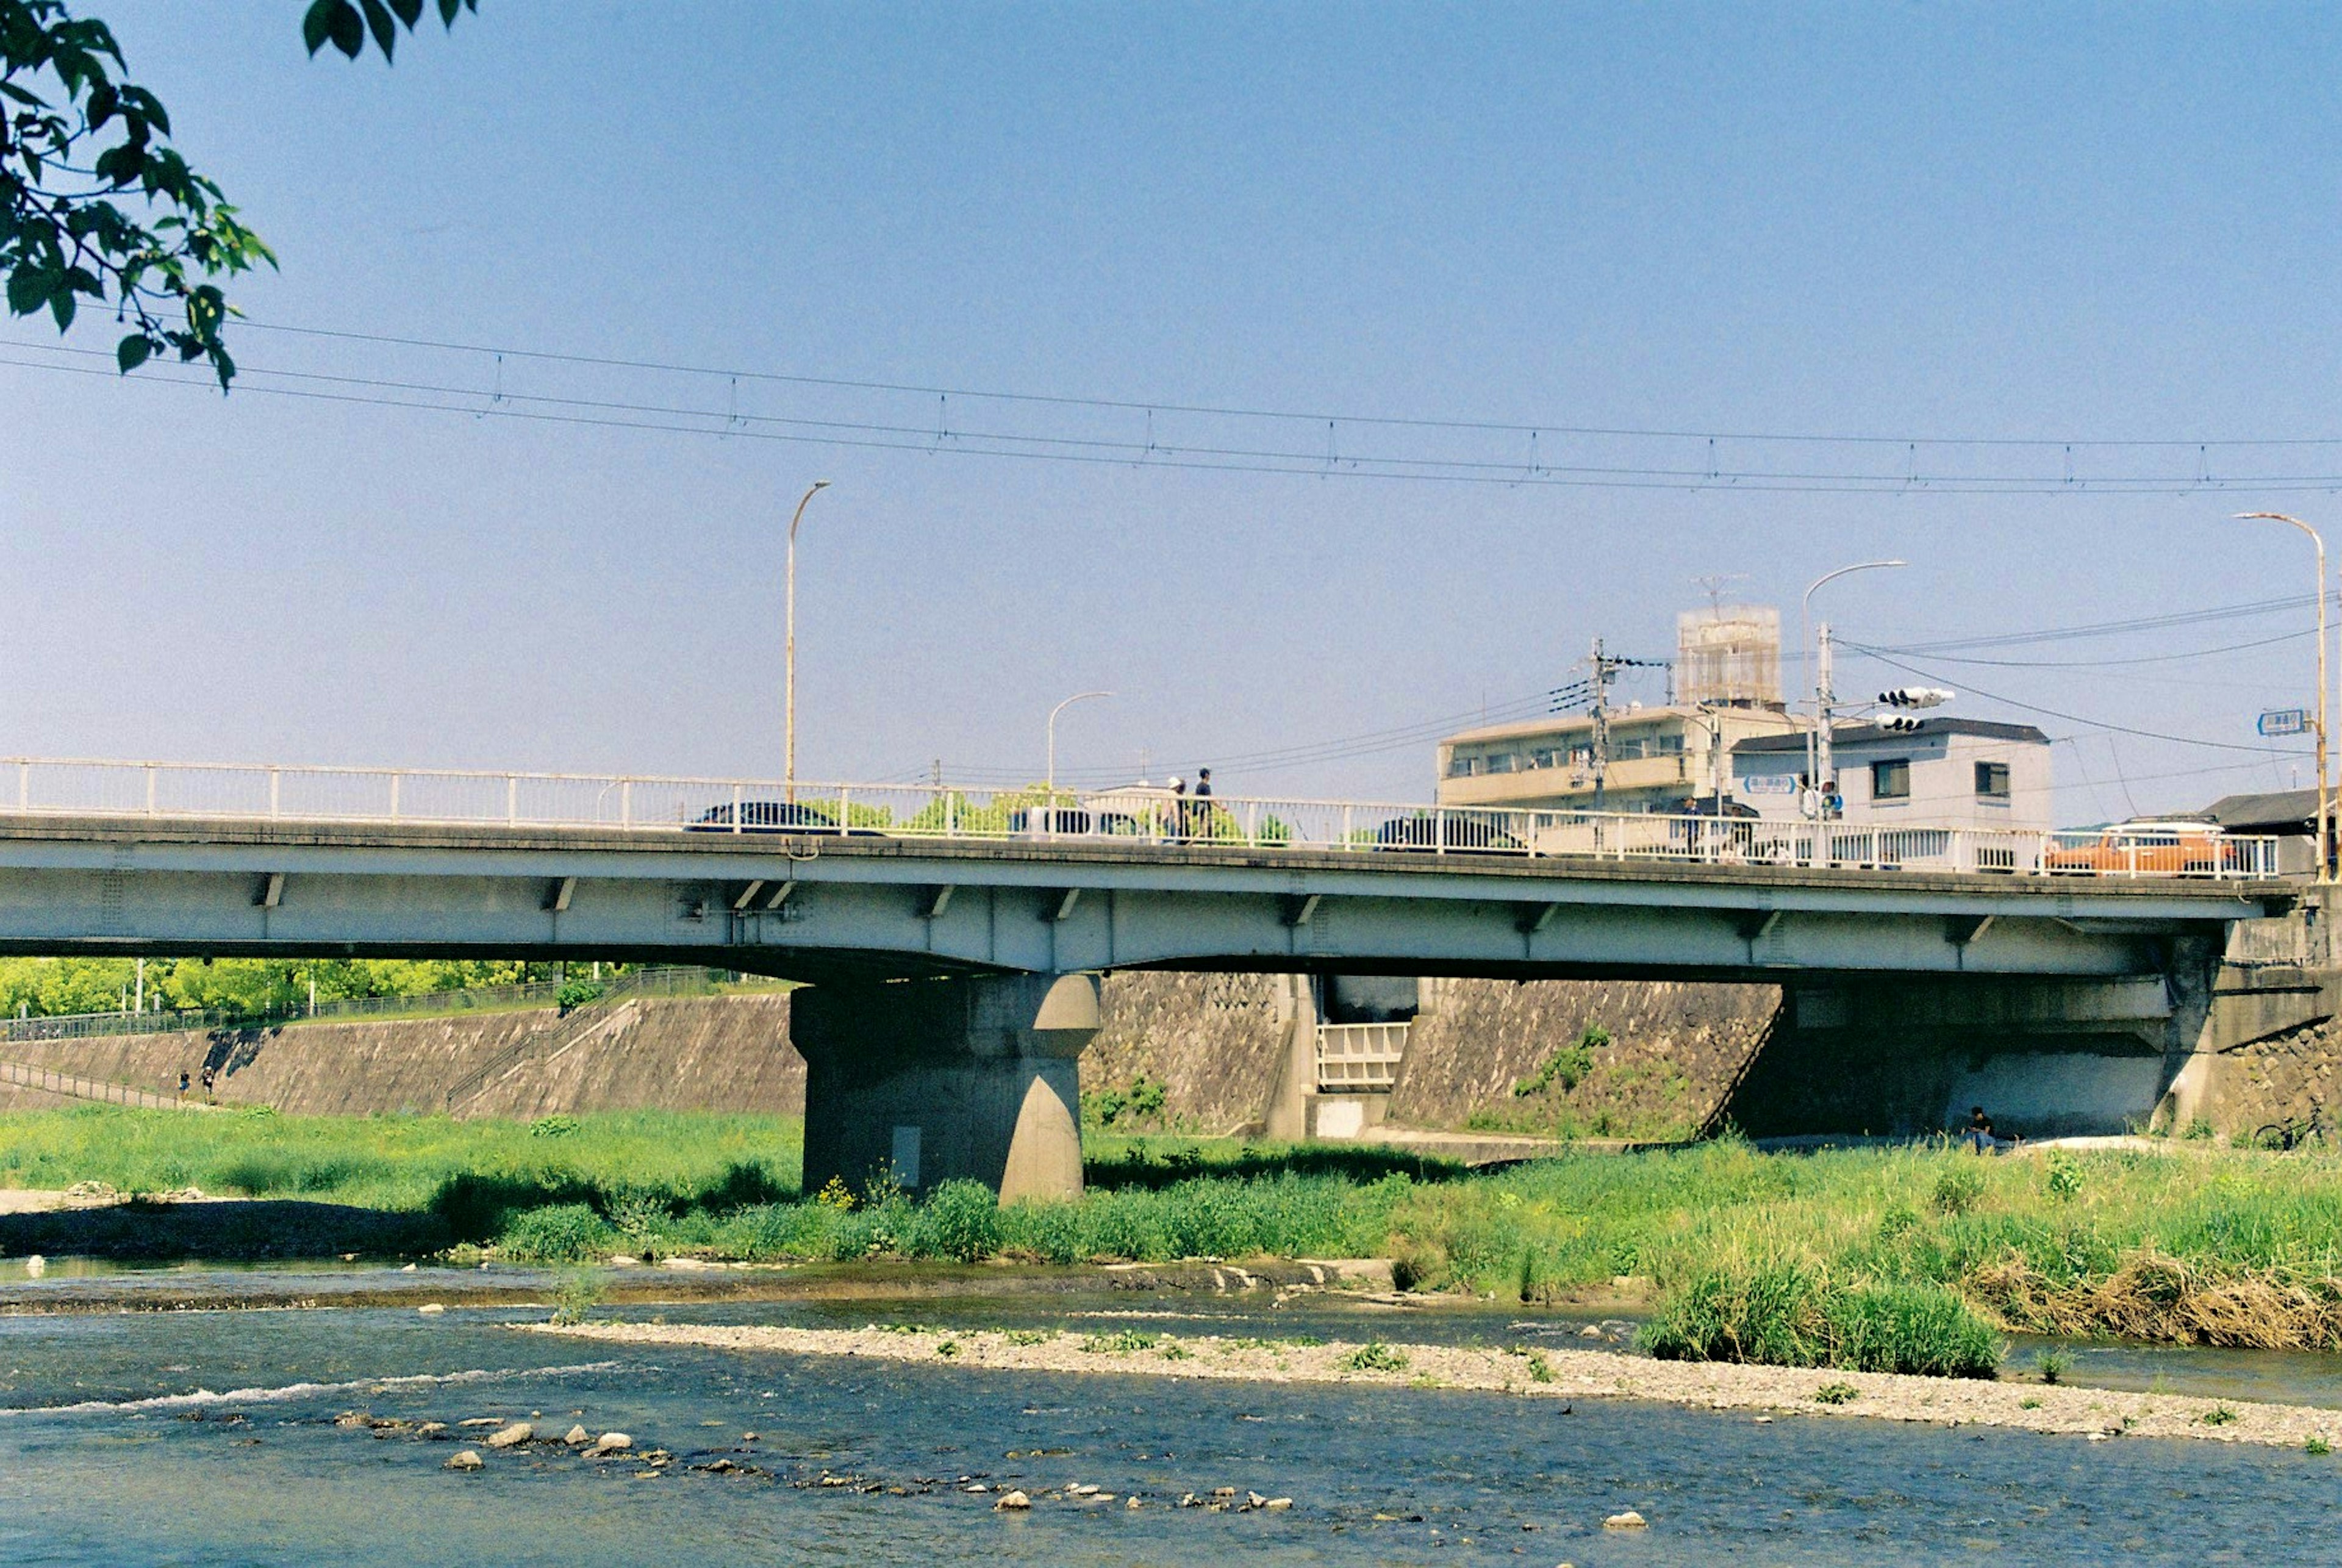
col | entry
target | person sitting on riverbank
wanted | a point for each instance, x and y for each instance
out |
(1980, 1135)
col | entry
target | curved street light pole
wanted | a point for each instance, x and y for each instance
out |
(1817, 752)
(1051, 779)
(789, 656)
(2325, 788)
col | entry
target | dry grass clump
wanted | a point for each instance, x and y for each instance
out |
(2156, 1296)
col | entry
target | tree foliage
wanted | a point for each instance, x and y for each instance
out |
(97, 209)
(345, 24)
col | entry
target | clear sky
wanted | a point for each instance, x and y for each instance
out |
(1914, 222)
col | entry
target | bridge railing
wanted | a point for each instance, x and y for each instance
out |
(1137, 814)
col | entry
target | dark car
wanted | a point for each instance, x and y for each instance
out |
(1455, 831)
(768, 816)
(1051, 819)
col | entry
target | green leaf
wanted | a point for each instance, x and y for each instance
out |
(28, 289)
(346, 28)
(62, 305)
(317, 22)
(132, 352)
(409, 11)
(386, 31)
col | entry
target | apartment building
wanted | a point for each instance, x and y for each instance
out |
(1948, 772)
(1660, 758)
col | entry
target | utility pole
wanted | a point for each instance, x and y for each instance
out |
(2325, 783)
(1601, 724)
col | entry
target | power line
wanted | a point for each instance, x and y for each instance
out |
(2100, 663)
(1313, 417)
(2116, 628)
(1152, 452)
(2078, 718)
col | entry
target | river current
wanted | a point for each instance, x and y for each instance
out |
(212, 1437)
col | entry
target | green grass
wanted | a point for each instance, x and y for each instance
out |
(1909, 1259)
(390, 1162)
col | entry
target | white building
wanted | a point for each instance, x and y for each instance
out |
(1950, 772)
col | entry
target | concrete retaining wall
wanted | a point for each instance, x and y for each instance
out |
(701, 1052)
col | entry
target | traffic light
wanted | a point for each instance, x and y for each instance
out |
(1900, 724)
(1914, 697)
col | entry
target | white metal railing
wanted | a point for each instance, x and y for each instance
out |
(1136, 814)
(1359, 1056)
(24, 1076)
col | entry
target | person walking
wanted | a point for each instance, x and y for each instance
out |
(1176, 812)
(182, 1084)
(211, 1079)
(1202, 824)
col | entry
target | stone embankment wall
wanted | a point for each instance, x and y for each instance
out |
(1676, 1049)
(1217, 1043)
(1214, 1041)
(702, 1052)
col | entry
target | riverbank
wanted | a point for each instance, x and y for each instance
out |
(1744, 1254)
(1551, 1375)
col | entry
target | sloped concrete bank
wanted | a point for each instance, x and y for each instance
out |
(699, 1052)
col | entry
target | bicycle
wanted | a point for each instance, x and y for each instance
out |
(2289, 1134)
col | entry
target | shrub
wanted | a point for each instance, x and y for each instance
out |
(557, 1233)
(1781, 1315)
(1569, 1065)
(1762, 1314)
(555, 1126)
(576, 994)
(578, 1293)
(1958, 1189)
(1836, 1394)
(2063, 1176)
(1374, 1357)
(1909, 1328)
(2053, 1365)
(2218, 1415)
(961, 1221)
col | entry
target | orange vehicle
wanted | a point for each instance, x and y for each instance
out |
(2160, 847)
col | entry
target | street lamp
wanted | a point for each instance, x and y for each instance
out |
(1052, 775)
(789, 757)
(1817, 741)
(2324, 816)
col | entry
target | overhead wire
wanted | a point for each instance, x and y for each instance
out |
(505, 403)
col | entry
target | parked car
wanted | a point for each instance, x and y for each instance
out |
(1455, 831)
(2168, 846)
(772, 816)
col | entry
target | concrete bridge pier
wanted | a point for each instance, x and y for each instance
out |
(933, 1080)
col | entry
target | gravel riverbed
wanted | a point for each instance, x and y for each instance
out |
(1563, 1374)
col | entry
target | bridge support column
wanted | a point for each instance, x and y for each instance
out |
(940, 1079)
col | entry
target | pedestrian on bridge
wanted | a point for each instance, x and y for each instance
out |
(183, 1084)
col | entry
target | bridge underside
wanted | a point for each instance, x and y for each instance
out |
(968, 1070)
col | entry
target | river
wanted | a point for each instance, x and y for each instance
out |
(212, 1437)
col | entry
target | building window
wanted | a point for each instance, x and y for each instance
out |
(1462, 767)
(1992, 781)
(1891, 780)
(1545, 757)
(1502, 761)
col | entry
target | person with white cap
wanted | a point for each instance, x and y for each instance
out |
(1177, 825)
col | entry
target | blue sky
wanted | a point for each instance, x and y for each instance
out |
(1941, 221)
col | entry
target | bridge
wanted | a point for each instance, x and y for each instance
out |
(951, 938)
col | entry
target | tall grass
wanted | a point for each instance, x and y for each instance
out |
(1891, 1258)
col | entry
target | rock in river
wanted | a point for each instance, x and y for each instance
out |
(1013, 1502)
(518, 1432)
(611, 1443)
(578, 1437)
(470, 1459)
(1630, 1520)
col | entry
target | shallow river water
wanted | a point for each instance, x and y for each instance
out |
(210, 1437)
